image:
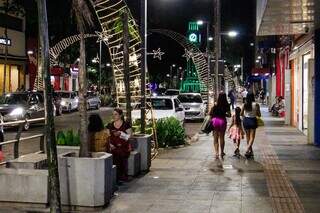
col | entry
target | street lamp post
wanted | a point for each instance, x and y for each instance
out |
(143, 31)
(200, 22)
(171, 76)
(100, 64)
(217, 46)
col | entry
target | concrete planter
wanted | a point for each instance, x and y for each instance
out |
(68, 149)
(85, 182)
(134, 163)
(143, 146)
(28, 186)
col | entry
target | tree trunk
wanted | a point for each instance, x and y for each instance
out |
(126, 65)
(84, 146)
(53, 182)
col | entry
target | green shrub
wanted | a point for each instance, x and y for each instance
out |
(61, 138)
(170, 132)
(136, 127)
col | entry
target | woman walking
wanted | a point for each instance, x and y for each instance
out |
(218, 113)
(98, 135)
(120, 132)
(250, 111)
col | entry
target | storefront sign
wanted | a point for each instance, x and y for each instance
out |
(3, 41)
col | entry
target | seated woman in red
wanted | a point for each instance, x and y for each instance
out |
(120, 132)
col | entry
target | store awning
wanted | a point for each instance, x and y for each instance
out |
(284, 17)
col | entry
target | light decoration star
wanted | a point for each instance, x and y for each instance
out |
(187, 54)
(157, 54)
(102, 36)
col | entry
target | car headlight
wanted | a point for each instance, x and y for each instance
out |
(64, 103)
(16, 112)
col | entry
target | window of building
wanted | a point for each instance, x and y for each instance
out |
(13, 23)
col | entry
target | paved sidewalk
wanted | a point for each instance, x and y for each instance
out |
(189, 179)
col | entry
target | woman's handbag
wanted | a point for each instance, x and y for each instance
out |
(260, 122)
(207, 126)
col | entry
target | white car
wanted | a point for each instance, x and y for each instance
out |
(69, 100)
(93, 101)
(163, 107)
(194, 106)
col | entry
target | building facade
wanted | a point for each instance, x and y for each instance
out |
(15, 61)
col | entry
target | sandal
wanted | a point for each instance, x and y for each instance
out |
(217, 156)
(223, 154)
(237, 152)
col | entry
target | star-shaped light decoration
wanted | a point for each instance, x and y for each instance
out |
(157, 54)
(187, 54)
(102, 36)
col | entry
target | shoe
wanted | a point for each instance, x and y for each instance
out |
(237, 152)
(217, 156)
(223, 154)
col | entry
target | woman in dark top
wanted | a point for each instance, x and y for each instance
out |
(218, 113)
(120, 132)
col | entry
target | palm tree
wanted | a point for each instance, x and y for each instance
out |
(82, 13)
(53, 179)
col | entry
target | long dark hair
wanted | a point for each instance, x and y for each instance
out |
(249, 100)
(120, 112)
(222, 102)
(237, 116)
(95, 123)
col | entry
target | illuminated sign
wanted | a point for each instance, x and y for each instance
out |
(3, 41)
(193, 37)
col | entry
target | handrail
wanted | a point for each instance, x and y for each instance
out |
(21, 139)
(21, 121)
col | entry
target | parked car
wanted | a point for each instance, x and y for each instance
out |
(69, 100)
(163, 107)
(194, 106)
(172, 92)
(93, 100)
(21, 106)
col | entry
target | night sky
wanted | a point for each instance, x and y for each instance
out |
(175, 15)
(166, 14)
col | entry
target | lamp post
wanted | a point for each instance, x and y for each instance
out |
(200, 22)
(171, 75)
(143, 32)
(217, 45)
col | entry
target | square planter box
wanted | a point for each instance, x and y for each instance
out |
(85, 182)
(143, 146)
(134, 163)
(68, 149)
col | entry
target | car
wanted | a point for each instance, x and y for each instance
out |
(163, 107)
(21, 106)
(194, 106)
(69, 100)
(93, 100)
(172, 92)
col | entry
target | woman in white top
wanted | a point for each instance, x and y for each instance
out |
(250, 111)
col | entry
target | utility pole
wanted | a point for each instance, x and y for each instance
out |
(53, 173)
(209, 64)
(143, 32)
(242, 77)
(100, 64)
(126, 65)
(217, 45)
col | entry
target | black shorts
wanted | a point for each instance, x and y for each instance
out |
(250, 123)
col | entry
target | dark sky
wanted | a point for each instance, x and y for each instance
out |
(175, 15)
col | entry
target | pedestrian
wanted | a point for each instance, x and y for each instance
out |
(98, 135)
(250, 111)
(236, 132)
(244, 94)
(232, 97)
(120, 132)
(218, 113)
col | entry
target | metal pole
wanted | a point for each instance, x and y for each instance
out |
(242, 77)
(143, 32)
(217, 46)
(100, 64)
(209, 65)
(170, 82)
